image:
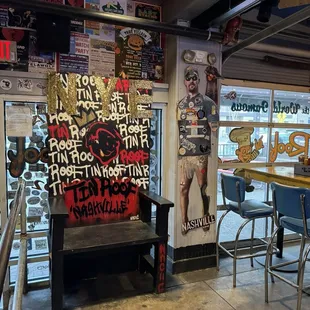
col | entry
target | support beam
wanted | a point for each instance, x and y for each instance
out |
(114, 19)
(222, 11)
(266, 33)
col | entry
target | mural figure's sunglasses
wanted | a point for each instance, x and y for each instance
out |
(191, 77)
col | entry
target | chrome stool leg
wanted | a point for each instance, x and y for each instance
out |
(252, 240)
(268, 261)
(235, 256)
(218, 239)
(301, 252)
(301, 272)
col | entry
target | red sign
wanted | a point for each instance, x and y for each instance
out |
(8, 51)
(101, 201)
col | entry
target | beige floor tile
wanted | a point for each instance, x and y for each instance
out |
(196, 296)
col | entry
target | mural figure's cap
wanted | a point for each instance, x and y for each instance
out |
(241, 135)
(191, 71)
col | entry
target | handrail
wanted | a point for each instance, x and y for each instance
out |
(19, 207)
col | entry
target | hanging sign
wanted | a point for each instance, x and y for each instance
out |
(8, 51)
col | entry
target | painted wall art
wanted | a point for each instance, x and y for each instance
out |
(99, 145)
(197, 115)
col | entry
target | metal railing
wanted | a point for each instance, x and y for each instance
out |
(18, 208)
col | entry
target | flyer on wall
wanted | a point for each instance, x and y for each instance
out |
(18, 18)
(39, 62)
(114, 6)
(92, 28)
(79, 43)
(102, 58)
(128, 51)
(73, 63)
(77, 25)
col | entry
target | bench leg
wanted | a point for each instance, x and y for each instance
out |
(160, 264)
(57, 286)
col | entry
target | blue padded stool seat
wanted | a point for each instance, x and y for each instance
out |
(294, 224)
(251, 208)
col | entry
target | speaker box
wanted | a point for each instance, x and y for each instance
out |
(53, 33)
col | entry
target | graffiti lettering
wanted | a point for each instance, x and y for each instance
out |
(162, 268)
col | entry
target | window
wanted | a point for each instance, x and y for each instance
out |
(261, 125)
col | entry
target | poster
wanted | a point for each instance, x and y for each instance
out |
(107, 32)
(99, 162)
(18, 121)
(73, 63)
(40, 62)
(128, 52)
(4, 17)
(79, 44)
(21, 37)
(197, 116)
(114, 6)
(92, 28)
(147, 11)
(18, 18)
(102, 58)
(77, 25)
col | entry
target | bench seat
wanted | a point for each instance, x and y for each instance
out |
(107, 236)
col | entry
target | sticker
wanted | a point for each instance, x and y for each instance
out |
(204, 148)
(40, 145)
(181, 137)
(42, 87)
(183, 115)
(40, 244)
(183, 129)
(201, 114)
(35, 193)
(181, 105)
(11, 195)
(43, 203)
(191, 104)
(182, 151)
(6, 84)
(44, 195)
(27, 175)
(204, 130)
(198, 100)
(33, 200)
(24, 85)
(16, 246)
(35, 211)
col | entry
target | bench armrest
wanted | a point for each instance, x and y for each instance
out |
(57, 207)
(146, 199)
(155, 199)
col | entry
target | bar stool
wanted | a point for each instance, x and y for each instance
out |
(233, 189)
(292, 203)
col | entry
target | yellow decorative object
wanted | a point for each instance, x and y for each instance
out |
(51, 92)
(132, 99)
(105, 93)
(55, 88)
(144, 84)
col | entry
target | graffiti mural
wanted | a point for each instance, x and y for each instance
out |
(197, 118)
(99, 162)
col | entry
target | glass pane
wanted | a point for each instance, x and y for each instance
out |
(156, 152)
(254, 189)
(35, 246)
(288, 144)
(26, 157)
(244, 104)
(291, 107)
(36, 271)
(242, 144)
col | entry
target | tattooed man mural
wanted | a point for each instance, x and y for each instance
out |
(197, 118)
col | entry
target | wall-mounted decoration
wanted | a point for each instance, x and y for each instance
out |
(197, 119)
(113, 6)
(108, 155)
(231, 33)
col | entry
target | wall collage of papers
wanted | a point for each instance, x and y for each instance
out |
(95, 49)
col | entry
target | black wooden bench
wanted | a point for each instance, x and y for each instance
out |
(65, 241)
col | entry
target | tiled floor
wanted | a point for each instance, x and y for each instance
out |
(203, 289)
